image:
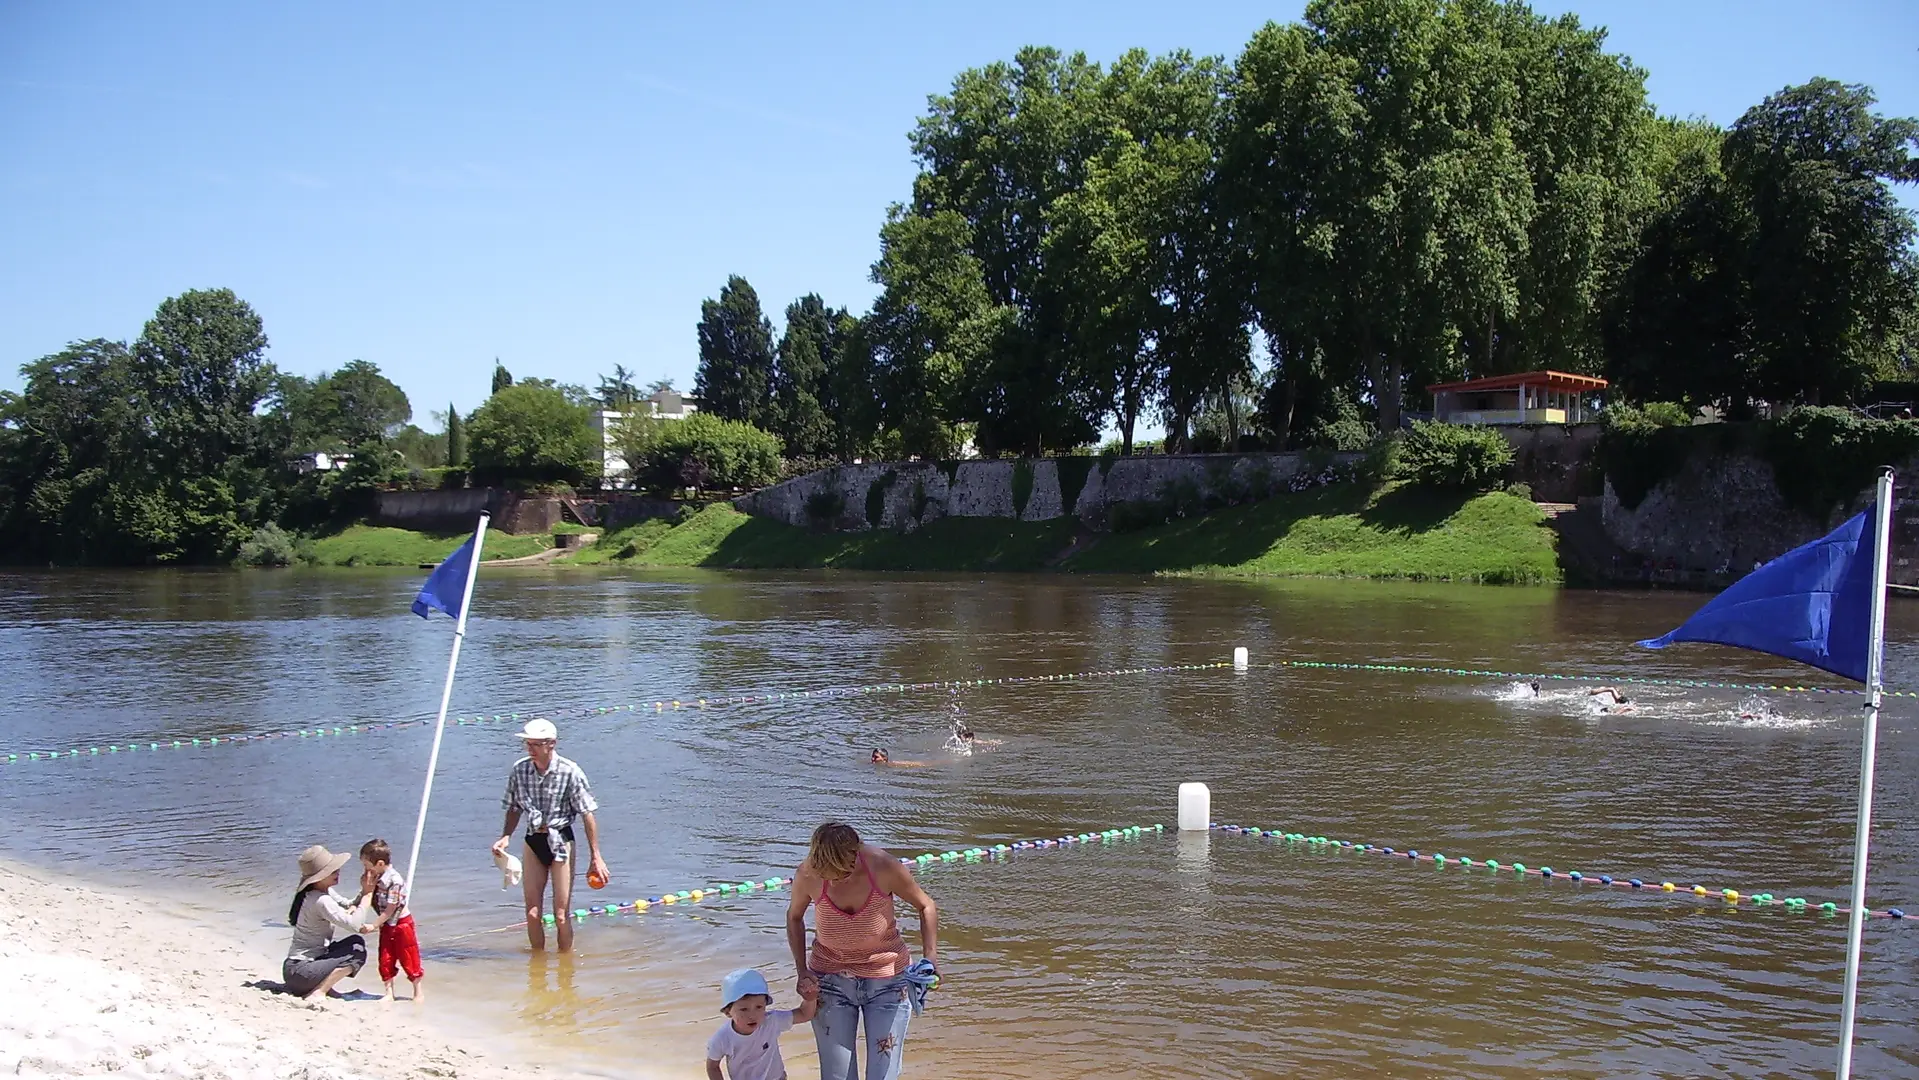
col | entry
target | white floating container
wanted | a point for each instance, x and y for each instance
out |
(1195, 808)
(1239, 658)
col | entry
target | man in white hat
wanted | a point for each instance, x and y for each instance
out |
(551, 793)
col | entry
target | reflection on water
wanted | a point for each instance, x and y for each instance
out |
(1165, 955)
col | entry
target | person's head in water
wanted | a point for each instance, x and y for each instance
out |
(879, 757)
(1535, 689)
(835, 850)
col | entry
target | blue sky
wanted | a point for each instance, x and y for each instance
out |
(433, 187)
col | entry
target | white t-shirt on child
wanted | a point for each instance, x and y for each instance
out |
(755, 1056)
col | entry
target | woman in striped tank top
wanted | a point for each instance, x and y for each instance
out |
(859, 960)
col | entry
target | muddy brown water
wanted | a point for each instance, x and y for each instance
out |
(1166, 955)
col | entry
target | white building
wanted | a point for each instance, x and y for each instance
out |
(320, 461)
(663, 405)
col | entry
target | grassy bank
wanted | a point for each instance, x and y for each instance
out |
(1400, 532)
(374, 545)
(1346, 531)
(720, 536)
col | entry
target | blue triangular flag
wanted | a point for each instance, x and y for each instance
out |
(1813, 604)
(445, 588)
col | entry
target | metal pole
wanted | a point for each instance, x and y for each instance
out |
(1875, 685)
(446, 695)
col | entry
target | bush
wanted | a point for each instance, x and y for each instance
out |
(269, 546)
(1824, 457)
(533, 431)
(705, 451)
(1643, 445)
(1520, 491)
(1465, 457)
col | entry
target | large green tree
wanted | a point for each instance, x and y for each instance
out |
(533, 432)
(997, 152)
(735, 374)
(201, 366)
(455, 438)
(1777, 265)
(932, 322)
(1829, 265)
(799, 377)
(1129, 248)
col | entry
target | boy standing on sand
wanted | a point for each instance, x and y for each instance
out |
(399, 942)
(551, 793)
(749, 1041)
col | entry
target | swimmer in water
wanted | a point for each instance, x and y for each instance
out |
(1617, 697)
(1535, 689)
(881, 757)
(964, 739)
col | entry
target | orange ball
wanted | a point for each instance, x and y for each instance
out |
(596, 879)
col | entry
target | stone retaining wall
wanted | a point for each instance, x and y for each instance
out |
(1725, 510)
(905, 495)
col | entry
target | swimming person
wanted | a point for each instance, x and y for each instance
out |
(859, 965)
(1617, 697)
(881, 757)
(551, 793)
(1535, 689)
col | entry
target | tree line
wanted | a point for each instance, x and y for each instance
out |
(1293, 244)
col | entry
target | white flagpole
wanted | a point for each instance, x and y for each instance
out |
(1875, 684)
(446, 695)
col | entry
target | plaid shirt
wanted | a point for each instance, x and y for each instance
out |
(549, 800)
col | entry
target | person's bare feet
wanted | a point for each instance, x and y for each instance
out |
(419, 993)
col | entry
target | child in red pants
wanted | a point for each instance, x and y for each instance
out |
(399, 945)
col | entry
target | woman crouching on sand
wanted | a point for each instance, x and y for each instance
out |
(859, 963)
(318, 959)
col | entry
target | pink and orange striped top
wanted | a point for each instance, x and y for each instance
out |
(865, 943)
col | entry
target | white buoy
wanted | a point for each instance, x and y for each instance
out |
(1195, 808)
(1239, 658)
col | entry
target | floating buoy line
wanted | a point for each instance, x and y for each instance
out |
(1574, 878)
(920, 863)
(153, 746)
(663, 705)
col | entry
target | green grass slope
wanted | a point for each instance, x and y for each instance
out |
(720, 536)
(1346, 531)
(374, 545)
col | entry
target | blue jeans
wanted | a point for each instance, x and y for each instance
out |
(844, 999)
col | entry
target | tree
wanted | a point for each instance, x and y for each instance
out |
(531, 432)
(1829, 265)
(658, 386)
(201, 365)
(736, 355)
(1776, 265)
(369, 406)
(706, 451)
(617, 391)
(1123, 246)
(501, 377)
(805, 354)
(848, 396)
(932, 322)
(455, 438)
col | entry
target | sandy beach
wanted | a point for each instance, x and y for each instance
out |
(102, 983)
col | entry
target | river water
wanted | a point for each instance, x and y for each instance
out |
(1162, 955)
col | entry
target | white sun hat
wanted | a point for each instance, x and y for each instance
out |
(538, 729)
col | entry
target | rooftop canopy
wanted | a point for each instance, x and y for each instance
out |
(1557, 381)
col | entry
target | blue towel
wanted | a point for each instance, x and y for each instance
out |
(921, 977)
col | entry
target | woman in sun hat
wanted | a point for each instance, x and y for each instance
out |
(327, 946)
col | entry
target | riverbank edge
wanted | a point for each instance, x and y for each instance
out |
(1344, 532)
(1392, 533)
(104, 981)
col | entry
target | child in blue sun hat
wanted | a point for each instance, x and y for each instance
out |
(749, 1041)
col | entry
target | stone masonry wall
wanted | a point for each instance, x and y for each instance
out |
(919, 492)
(1725, 510)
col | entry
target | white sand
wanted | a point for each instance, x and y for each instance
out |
(98, 984)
